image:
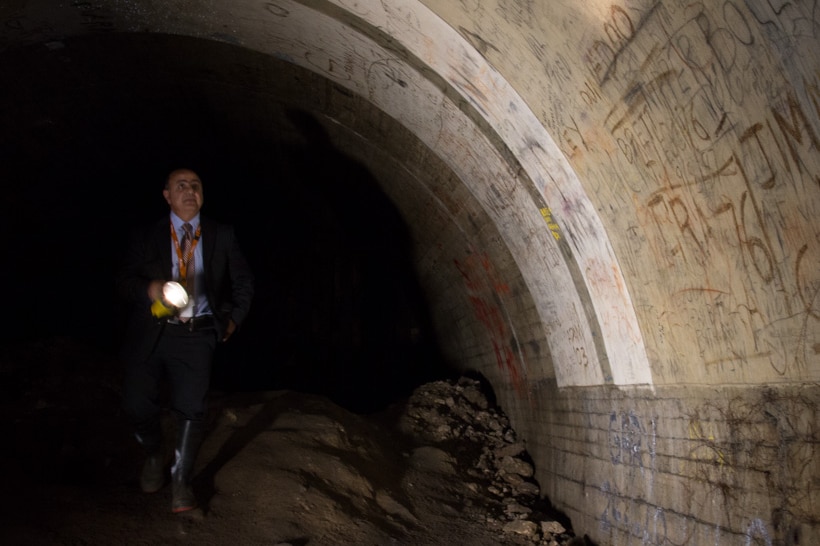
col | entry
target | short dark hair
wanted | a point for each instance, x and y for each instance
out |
(174, 171)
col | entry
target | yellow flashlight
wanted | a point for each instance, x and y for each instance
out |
(174, 297)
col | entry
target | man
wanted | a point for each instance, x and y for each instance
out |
(205, 257)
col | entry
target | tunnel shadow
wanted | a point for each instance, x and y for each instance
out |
(338, 309)
(343, 314)
(205, 480)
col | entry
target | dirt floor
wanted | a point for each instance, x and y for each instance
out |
(278, 467)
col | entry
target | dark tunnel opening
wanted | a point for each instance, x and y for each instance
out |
(338, 310)
(341, 306)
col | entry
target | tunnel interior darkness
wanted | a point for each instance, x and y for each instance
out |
(93, 130)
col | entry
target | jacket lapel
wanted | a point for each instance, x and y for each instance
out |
(208, 240)
(162, 242)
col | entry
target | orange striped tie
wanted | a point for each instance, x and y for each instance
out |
(188, 259)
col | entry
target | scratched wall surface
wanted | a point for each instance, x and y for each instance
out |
(694, 129)
(683, 465)
(614, 211)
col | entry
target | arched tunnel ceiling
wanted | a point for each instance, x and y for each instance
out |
(560, 213)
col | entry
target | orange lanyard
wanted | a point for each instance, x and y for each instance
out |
(183, 265)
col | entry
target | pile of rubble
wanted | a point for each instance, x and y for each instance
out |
(457, 416)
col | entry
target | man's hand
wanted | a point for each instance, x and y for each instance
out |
(155, 290)
(229, 330)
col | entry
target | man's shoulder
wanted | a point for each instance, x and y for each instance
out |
(212, 224)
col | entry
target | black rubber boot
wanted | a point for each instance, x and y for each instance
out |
(152, 477)
(153, 473)
(189, 438)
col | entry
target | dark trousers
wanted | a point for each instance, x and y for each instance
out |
(182, 357)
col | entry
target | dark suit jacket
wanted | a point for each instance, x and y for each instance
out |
(228, 280)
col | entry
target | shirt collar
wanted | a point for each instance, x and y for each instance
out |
(177, 221)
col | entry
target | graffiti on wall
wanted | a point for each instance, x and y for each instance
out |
(89, 16)
(764, 444)
(554, 229)
(93, 17)
(704, 444)
(485, 290)
(727, 199)
(633, 449)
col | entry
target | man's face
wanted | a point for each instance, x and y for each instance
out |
(184, 193)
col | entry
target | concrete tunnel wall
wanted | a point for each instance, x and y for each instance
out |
(612, 206)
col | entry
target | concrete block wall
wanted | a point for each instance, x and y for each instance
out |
(680, 465)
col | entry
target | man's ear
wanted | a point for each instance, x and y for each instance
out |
(165, 194)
